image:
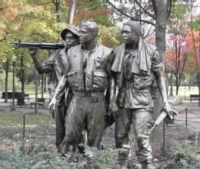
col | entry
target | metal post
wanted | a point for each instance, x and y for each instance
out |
(42, 86)
(164, 141)
(24, 127)
(23, 133)
(199, 64)
(186, 117)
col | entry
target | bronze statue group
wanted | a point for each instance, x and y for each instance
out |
(89, 81)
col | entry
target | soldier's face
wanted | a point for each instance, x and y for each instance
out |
(128, 35)
(70, 40)
(85, 35)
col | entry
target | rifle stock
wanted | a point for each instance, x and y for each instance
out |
(53, 46)
(161, 117)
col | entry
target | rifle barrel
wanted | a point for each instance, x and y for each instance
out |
(40, 45)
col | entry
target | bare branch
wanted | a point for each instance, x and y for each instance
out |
(148, 33)
(154, 7)
(125, 14)
(144, 10)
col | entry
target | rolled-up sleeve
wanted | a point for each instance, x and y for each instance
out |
(48, 65)
(156, 65)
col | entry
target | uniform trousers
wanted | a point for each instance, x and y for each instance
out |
(85, 112)
(135, 124)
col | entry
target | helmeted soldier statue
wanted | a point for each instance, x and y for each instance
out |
(55, 67)
(87, 76)
(135, 65)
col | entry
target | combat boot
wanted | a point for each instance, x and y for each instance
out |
(148, 166)
(122, 156)
(134, 166)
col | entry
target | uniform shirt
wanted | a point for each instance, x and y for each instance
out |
(87, 68)
(134, 85)
(55, 67)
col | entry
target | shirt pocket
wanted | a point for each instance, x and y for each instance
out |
(100, 80)
(99, 62)
(142, 81)
(138, 98)
(143, 98)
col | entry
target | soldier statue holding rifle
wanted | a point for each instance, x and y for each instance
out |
(55, 66)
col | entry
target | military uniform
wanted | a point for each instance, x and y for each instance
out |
(88, 78)
(55, 67)
(134, 73)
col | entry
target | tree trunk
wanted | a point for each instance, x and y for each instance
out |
(171, 83)
(6, 81)
(36, 89)
(57, 6)
(72, 10)
(161, 20)
(22, 74)
(45, 83)
(177, 82)
(198, 81)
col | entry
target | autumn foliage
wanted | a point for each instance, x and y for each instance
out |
(184, 49)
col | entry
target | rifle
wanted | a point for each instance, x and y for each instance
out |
(164, 114)
(54, 46)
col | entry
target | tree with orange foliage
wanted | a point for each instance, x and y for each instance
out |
(192, 46)
(182, 57)
(175, 58)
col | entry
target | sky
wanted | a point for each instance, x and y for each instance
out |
(196, 8)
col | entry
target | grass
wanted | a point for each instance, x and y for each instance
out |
(34, 157)
(184, 156)
(42, 156)
(15, 120)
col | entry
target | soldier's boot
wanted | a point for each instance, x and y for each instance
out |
(134, 165)
(81, 148)
(119, 167)
(148, 166)
(64, 149)
(59, 149)
(122, 158)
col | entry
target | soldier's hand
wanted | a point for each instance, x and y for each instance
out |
(33, 51)
(171, 112)
(113, 108)
(52, 106)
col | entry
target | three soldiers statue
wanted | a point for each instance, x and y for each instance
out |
(95, 80)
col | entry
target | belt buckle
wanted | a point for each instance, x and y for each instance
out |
(87, 93)
(92, 98)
